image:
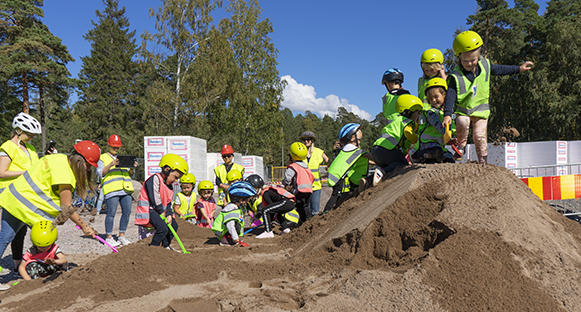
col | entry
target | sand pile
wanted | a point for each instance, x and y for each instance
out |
(432, 238)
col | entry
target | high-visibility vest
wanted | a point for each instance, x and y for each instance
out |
(221, 173)
(393, 132)
(144, 204)
(39, 257)
(219, 225)
(33, 196)
(209, 208)
(279, 190)
(117, 178)
(292, 216)
(304, 178)
(186, 208)
(427, 132)
(422, 84)
(349, 165)
(19, 161)
(314, 163)
(389, 104)
(473, 97)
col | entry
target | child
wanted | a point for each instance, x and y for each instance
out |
(387, 150)
(185, 200)
(275, 200)
(255, 203)
(432, 135)
(298, 179)
(222, 171)
(469, 91)
(229, 225)
(44, 258)
(155, 201)
(206, 205)
(392, 80)
(348, 169)
(432, 61)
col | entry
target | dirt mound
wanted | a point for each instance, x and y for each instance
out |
(431, 238)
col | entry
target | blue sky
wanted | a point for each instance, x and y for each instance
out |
(332, 53)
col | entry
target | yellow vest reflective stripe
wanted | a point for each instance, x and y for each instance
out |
(304, 178)
(292, 216)
(19, 161)
(221, 173)
(31, 197)
(219, 228)
(185, 207)
(117, 178)
(473, 97)
(314, 162)
(393, 132)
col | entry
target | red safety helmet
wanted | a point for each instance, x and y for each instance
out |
(114, 141)
(90, 151)
(227, 149)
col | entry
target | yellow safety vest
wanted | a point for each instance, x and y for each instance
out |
(314, 162)
(221, 173)
(32, 197)
(19, 161)
(117, 178)
(185, 208)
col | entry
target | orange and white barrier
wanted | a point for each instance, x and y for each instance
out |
(556, 187)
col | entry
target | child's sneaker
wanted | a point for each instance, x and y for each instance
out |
(123, 240)
(286, 231)
(4, 286)
(111, 241)
(266, 235)
(458, 154)
(363, 185)
(377, 176)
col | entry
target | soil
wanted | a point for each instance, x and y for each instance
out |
(444, 237)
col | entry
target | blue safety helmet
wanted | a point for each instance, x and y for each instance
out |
(242, 189)
(392, 74)
(347, 131)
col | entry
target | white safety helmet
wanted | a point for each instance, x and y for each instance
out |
(26, 123)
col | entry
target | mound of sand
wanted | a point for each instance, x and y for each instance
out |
(431, 238)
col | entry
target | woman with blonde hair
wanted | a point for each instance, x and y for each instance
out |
(45, 192)
(315, 157)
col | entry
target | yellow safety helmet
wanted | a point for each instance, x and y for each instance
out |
(436, 82)
(408, 102)
(175, 162)
(466, 41)
(233, 175)
(43, 233)
(298, 151)
(432, 56)
(188, 178)
(205, 185)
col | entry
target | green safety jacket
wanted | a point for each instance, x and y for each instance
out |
(422, 83)
(314, 163)
(473, 97)
(428, 133)
(389, 104)
(117, 178)
(393, 133)
(348, 164)
(219, 225)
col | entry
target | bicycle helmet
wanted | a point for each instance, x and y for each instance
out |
(298, 151)
(466, 41)
(347, 131)
(308, 135)
(90, 151)
(43, 233)
(242, 189)
(175, 162)
(392, 74)
(432, 56)
(233, 175)
(255, 180)
(188, 178)
(26, 123)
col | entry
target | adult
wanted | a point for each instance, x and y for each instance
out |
(222, 170)
(45, 192)
(315, 157)
(17, 156)
(51, 148)
(116, 188)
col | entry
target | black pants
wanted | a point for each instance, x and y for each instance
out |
(302, 206)
(338, 197)
(39, 269)
(388, 160)
(163, 236)
(276, 203)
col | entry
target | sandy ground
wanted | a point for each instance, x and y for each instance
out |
(446, 237)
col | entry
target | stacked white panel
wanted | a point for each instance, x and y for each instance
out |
(253, 165)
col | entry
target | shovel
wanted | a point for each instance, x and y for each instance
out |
(176, 235)
(101, 240)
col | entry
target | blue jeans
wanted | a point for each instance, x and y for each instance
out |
(315, 202)
(125, 201)
(13, 231)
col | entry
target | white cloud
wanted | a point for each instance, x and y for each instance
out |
(300, 98)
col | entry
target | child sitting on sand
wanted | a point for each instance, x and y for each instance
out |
(45, 257)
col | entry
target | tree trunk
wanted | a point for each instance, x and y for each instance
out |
(25, 107)
(42, 116)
